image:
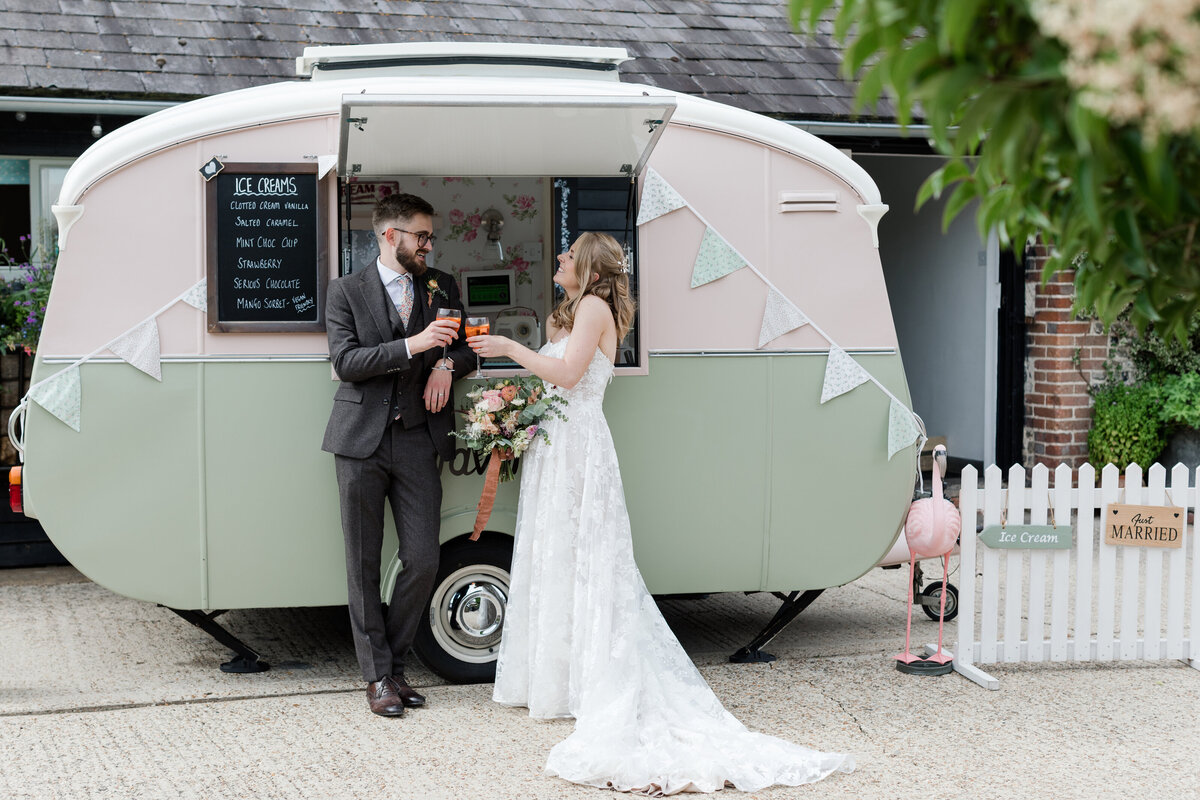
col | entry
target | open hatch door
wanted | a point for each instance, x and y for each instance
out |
(581, 136)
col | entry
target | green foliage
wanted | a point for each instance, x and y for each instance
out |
(1120, 208)
(1178, 398)
(1156, 358)
(23, 300)
(1126, 427)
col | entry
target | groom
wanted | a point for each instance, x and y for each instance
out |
(391, 418)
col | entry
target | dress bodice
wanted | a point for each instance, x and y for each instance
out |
(590, 389)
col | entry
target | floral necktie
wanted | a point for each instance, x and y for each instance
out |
(406, 298)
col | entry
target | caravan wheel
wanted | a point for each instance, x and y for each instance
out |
(459, 637)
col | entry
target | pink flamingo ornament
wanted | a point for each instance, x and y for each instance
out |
(931, 529)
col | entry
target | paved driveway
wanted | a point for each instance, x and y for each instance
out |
(101, 696)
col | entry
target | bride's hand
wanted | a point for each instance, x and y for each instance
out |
(490, 346)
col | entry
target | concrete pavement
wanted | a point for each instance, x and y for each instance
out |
(101, 696)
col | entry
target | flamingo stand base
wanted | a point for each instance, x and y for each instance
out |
(939, 663)
(924, 666)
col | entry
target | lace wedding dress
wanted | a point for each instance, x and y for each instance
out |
(584, 639)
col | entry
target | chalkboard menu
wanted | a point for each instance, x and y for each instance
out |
(267, 257)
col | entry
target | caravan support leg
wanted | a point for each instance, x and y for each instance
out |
(793, 604)
(246, 660)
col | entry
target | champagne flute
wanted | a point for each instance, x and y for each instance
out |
(449, 313)
(478, 326)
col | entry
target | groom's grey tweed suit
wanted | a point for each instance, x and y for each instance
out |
(378, 459)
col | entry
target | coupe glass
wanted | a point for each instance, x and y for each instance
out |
(478, 326)
(449, 313)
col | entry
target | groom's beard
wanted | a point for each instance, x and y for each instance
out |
(408, 259)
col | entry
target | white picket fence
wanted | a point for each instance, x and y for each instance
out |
(1072, 605)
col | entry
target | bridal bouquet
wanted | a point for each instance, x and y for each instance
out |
(503, 417)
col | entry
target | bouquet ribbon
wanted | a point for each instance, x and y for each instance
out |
(488, 497)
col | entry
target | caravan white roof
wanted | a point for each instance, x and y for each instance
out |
(295, 100)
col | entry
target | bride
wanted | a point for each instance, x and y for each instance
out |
(582, 636)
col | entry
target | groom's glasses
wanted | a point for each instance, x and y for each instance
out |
(422, 237)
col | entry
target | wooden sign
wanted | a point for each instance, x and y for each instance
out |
(1028, 537)
(267, 259)
(1143, 526)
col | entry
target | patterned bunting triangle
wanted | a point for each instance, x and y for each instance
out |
(61, 395)
(716, 259)
(140, 348)
(780, 317)
(842, 373)
(197, 296)
(902, 428)
(658, 198)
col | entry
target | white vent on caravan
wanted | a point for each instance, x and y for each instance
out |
(484, 59)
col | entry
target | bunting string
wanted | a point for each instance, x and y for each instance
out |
(716, 259)
(61, 393)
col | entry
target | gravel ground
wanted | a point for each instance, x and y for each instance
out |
(102, 696)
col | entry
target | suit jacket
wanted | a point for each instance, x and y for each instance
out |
(366, 346)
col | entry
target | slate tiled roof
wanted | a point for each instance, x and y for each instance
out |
(739, 52)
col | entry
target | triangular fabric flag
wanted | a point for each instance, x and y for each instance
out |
(902, 428)
(716, 259)
(842, 373)
(140, 348)
(779, 317)
(324, 164)
(61, 395)
(197, 296)
(658, 198)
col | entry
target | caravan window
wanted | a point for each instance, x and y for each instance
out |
(500, 237)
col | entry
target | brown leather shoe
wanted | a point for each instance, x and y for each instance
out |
(383, 696)
(408, 695)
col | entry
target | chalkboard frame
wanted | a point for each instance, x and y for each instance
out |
(217, 325)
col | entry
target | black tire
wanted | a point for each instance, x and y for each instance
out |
(459, 635)
(933, 593)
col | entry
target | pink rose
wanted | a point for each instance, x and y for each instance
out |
(456, 216)
(474, 220)
(524, 201)
(469, 236)
(494, 401)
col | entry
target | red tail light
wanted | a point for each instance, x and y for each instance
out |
(14, 490)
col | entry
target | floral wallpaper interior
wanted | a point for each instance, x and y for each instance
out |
(462, 240)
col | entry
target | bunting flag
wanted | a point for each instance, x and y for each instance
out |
(658, 198)
(324, 164)
(140, 348)
(197, 296)
(61, 395)
(842, 373)
(716, 259)
(902, 428)
(781, 316)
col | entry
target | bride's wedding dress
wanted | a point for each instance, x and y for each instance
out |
(584, 639)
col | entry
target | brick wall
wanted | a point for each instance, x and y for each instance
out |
(12, 388)
(1063, 356)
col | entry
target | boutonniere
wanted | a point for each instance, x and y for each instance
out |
(435, 291)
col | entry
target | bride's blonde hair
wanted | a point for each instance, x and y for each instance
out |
(600, 255)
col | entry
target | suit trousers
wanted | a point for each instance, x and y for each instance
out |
(402, 471)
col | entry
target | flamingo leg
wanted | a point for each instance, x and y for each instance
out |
(907, 657)
(939, 656)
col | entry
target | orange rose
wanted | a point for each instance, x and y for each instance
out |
(508, 393)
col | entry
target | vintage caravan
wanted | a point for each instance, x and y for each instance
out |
(172, 432)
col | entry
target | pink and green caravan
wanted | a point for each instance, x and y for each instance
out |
(171, 437)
